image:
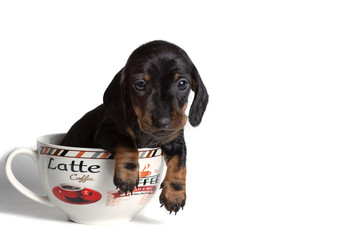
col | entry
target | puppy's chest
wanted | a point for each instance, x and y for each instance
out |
(148, 141)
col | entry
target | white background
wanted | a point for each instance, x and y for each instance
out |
(271, 158)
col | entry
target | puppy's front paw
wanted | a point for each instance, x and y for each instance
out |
(126, 181)
(173, 196)
(126, 178)
(126, 172)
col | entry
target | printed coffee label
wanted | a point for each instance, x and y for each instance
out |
(86, 177)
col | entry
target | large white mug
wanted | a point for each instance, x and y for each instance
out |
(79, 181)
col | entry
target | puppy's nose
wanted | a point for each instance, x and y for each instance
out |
(162, 123)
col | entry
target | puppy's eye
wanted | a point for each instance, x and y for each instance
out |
(182, 84)
(140, 85)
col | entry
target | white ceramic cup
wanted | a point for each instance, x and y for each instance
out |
(79, 181)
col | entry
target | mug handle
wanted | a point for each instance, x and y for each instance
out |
(19, 186)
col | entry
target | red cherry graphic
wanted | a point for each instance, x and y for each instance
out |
(86, 193)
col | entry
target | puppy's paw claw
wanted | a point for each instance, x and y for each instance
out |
(126, 182)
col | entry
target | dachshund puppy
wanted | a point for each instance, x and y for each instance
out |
(144, 106)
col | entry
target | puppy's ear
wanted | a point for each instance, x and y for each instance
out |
(113, 100)
(200, 101)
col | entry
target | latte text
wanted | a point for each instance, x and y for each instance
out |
(73, 166)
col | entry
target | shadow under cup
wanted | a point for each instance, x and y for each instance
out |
(79, 181)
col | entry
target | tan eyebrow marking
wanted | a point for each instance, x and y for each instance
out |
(147, 77)
(176, 76)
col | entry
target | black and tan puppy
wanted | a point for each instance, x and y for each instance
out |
(144, 106)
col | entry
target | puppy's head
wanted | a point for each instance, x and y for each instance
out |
(154, 86)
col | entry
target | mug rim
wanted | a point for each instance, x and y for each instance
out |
(42, 141)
